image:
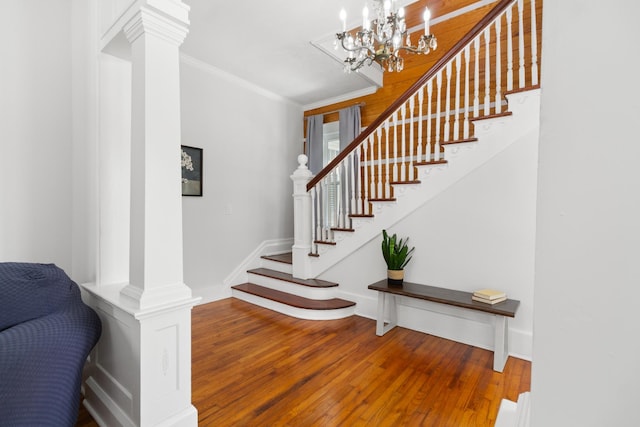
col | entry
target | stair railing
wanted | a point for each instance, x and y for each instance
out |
(468, 82)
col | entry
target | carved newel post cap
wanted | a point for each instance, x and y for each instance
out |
(302, 161)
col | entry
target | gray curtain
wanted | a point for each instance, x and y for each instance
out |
(349, 125)
(314, 142)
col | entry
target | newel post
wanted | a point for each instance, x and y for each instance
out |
(301, 220)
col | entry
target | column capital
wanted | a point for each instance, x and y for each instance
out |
(149, 20)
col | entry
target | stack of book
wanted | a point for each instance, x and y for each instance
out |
(489, 296)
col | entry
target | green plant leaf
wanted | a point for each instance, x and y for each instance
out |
(395, 251)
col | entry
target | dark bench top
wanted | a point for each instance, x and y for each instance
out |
(447, 296)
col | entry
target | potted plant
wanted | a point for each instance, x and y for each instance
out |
(397, 255)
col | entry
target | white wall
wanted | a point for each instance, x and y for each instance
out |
(250, 140)
(479, 233)
(114, 169)
(586, 346)
(84, 92)
(36, 132)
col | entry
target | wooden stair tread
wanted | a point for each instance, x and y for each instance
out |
(491, 116)
(360, 215)
(431, 162)
(312, 283)
(324, 242)
(459, 141)
(415, 181)
(393, 199)
(293, 300)
(285, 258)
(350, 230)
(522, 89)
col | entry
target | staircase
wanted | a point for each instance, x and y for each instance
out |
(273, 286)
(479, 98)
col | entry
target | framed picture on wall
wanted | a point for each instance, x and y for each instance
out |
(191, 161)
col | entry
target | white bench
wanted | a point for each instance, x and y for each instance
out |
(500, 312)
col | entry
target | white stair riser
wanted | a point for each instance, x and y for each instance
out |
(299, 313)
(275, 265)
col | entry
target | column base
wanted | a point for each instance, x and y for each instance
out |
(139, 373)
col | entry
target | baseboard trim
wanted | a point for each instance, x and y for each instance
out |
(239, 274)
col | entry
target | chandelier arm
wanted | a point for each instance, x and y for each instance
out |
(342, 37)
(359, 64)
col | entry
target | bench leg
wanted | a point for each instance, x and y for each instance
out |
(500, 342)
(381, 328)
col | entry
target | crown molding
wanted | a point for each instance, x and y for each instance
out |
(217, 72)
(344, 97)
(148, 21)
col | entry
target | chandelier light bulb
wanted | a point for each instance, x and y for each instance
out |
(343, 18)
(397, 40)
(365, 18)
(427, 18)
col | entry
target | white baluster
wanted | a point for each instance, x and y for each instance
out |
(521, 81)
(338, 185)
(346, 189)
(403, 112)
(498, 69)
(476, 77)
(509, 49)
(314, 215)
(394, 170)
(331, 213)
(465, 127)
(456, 121)
(387, 186)
(411, 135)
(534, 45)
(446, 136)
(372, 177)
(436, 142)
(321, 186)
(379, 194)
(429, 118)
(364, 195)
(487, 71)
(355, 160)
(420, 120)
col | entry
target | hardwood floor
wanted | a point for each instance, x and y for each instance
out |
(256, 367)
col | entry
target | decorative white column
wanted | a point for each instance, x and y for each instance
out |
(155, 263)
(301, 262)
(140, 371)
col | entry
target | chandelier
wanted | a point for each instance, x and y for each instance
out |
(382, 39)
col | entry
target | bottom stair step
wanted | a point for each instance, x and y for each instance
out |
(293, 300)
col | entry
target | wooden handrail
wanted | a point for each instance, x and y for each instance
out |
(439, 65)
